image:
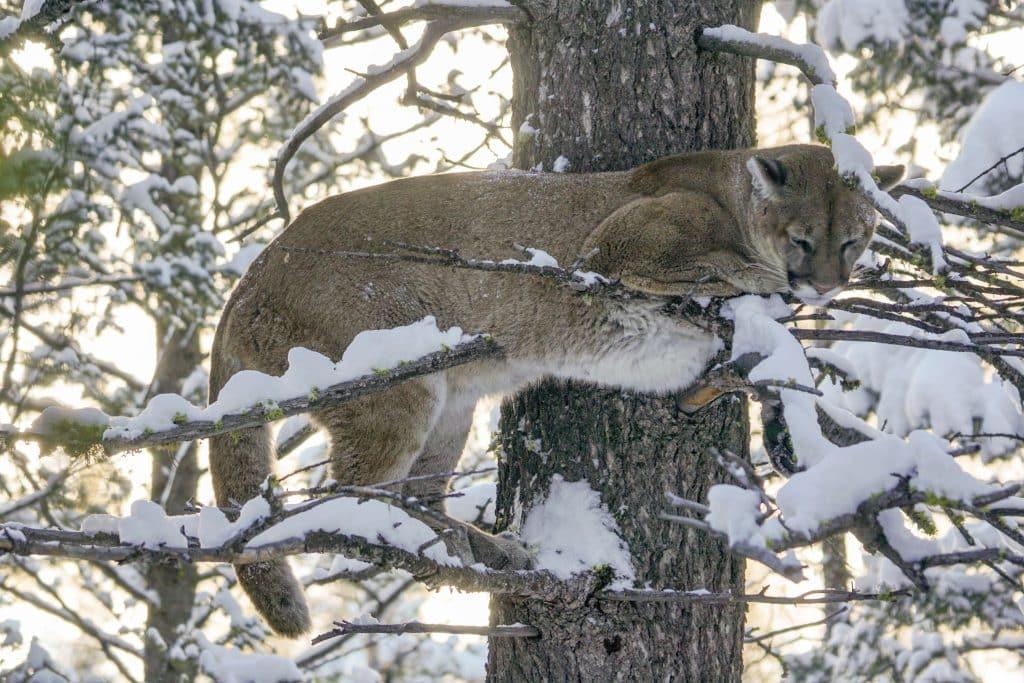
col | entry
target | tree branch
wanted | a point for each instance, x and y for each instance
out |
(478, 15)
(35, 26)
(42, 288)
(26, 541)
(902, 340)
(477, 349)
(378, 76)
(968, 209)
(509, 631)
(813, 65)
(825, 596)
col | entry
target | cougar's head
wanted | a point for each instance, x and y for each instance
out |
(806, 220)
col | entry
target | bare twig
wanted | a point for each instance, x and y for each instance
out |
(504, 631)
(751, 638)
(1002, 160)
(815, 597)
(315, 656)
(476, 15)
(42, 288)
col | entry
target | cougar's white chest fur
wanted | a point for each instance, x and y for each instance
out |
(643, 350)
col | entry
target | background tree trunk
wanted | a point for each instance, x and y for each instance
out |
(609, 86)
(174, 584)
(178, 354)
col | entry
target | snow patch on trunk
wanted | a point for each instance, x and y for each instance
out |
(574, 532)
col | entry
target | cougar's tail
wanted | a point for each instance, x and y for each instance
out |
(277, 596)
(239, 462)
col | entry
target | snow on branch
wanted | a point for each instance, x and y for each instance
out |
(374, 361)
(36, 17)
(370, 524)
(860, 487)
(810, 59)
(834, 125)
(775, 535)
(1005, 209)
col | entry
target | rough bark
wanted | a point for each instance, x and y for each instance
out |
(610, 93)
(611, 85)
(632, 449)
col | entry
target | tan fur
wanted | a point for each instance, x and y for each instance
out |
(687, 224)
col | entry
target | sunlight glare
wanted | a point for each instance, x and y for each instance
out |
(33, 56)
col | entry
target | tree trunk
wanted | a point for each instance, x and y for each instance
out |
(179, 355)
(632, 448)
(609, 86)
(173, 583)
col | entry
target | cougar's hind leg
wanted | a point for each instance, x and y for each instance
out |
(380, 437)
(440, 454)
(376, 438)
(447, 440)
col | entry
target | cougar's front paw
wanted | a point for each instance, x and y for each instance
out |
(499, 552)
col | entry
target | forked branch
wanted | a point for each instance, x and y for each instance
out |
(363, 86)
(472, 15)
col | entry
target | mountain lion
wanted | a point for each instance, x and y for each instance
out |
(707, 223)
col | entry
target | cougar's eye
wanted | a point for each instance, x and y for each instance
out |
(847, 245)
(805, 245)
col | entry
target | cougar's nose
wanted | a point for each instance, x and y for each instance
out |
(822, 289)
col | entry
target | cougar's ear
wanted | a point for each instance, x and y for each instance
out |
(768, 176)
(888, 176)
